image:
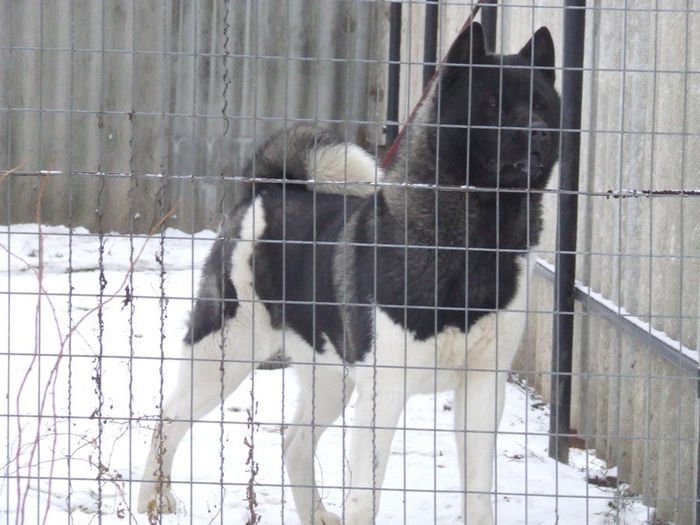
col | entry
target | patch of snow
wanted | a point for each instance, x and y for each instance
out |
(100, 411)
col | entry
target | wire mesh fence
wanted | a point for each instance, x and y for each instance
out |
(350, 262)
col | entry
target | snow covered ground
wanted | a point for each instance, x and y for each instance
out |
(98, 395)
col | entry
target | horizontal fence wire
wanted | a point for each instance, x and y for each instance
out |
(174, 352)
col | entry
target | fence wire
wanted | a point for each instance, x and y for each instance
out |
(137, 215)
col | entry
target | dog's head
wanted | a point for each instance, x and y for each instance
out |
(498, 114)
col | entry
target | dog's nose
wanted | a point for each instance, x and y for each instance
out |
(539, 136)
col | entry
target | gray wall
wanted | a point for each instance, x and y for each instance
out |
(143, 88)
(641, 116)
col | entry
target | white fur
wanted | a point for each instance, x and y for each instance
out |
(346, 169)
(474, 366)
(247, 339)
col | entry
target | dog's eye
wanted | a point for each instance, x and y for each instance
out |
(492, 102)
(538, 106)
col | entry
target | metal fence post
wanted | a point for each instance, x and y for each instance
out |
(489, 19)
(430, 39)
(392, 107)
(567, 212)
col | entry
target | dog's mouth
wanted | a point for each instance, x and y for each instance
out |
(531, 165)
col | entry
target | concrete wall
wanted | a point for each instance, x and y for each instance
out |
(143, 88)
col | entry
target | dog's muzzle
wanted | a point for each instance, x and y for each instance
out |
(531, 165)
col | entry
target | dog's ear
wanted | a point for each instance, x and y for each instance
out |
(539, 52)
(468, 48)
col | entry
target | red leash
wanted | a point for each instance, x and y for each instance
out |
(391, 152)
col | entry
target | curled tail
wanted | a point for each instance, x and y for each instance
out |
(320, 157)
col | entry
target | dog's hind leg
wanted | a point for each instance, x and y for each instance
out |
(201, 386)
(380, 403)
(323, 394)
(478, 409)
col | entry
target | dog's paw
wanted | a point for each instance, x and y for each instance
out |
(324, 517)
(155, 504)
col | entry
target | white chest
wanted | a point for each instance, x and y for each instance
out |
(438, 363)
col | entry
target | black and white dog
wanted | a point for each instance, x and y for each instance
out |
(415, 286)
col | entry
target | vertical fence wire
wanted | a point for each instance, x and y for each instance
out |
(684, 148)
(69, 204)
(100, 205)
(618, 249)
(130, 291)
(8, 323)
(580, 369)
(226, 81)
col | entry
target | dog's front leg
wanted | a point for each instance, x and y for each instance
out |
(379, 405)
(478, 409)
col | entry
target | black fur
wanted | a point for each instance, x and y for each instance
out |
(217, 299)
(288, 260)
(281, 158)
